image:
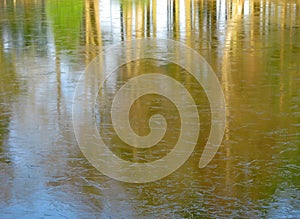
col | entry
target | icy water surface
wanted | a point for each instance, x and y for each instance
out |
(254, 48)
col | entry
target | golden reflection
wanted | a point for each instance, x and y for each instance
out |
(138, 19)
(93, 35)
(188, 22)
(175, 18)
(153, 16)
(126, 17)
(239, 55)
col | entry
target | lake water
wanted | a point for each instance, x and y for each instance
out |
(253, 48)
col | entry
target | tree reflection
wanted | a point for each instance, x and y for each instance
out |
(9, 88)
